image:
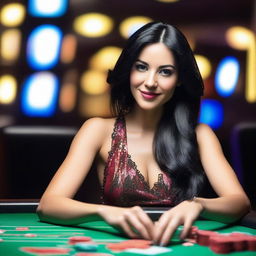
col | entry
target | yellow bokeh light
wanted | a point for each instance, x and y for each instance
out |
(95, 105)
(239, 37)
(131, 24)
(105, 58)
(8, 89)
(242, 38)
(12, 14)
(204, 66)
(10, 44)
(93, 25)
(93, 82)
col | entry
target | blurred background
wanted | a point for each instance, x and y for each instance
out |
(55, 55)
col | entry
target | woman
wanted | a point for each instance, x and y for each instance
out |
(153, 152)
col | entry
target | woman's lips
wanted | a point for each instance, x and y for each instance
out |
(149, 95)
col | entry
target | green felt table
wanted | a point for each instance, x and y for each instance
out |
(49, 235)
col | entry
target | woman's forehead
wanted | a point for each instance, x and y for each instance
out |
(157, 53)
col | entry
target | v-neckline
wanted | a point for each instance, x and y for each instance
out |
(134, 165)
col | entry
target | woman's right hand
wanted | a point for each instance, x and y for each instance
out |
(133, 221)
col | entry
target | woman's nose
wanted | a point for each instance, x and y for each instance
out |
(150, 81)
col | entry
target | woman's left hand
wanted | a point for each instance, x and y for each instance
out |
(184, 213)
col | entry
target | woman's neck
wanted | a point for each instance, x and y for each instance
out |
(144, 120)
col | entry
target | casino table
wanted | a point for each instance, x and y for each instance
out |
(22, 230)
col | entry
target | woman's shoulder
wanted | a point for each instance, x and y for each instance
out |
(202, 128)
(98, 125)
(204, 134)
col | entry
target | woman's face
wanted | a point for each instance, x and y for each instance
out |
(153, 76)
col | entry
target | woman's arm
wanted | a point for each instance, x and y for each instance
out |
(57, 204)
(231, 204)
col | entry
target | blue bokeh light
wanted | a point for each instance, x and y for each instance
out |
(211, 113)
(47, 8)
(39, 95)
(43, 47)
(226, 77)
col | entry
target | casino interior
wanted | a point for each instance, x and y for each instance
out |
(54, 58)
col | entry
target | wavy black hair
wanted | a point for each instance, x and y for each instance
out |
(175, 145)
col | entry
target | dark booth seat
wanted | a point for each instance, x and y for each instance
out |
(32, 155)
(243, 145)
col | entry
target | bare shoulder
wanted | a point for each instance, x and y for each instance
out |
(98, 124)
(206, 137)
(96, 129)
(203, 130)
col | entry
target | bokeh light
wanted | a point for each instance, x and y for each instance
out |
(10, 44)
(12, 14)
(105, 58)
(131, 24)
(204, 66)
(43, 47)
(8, 89)
(239, 37)
(39, 94)
(93, 25)
(211, 113)
(47, 8)
(68, 49)
(93, 82)
(227, 75)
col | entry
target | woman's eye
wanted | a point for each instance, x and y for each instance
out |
(141, 67)
(166, 72)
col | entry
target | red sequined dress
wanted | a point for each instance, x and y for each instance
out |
(123, 184)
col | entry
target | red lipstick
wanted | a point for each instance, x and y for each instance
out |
(149, 95)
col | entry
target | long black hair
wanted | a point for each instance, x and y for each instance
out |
(175, 145)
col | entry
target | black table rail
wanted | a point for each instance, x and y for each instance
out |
(30, 205)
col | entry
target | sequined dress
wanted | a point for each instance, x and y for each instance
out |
(123, 183)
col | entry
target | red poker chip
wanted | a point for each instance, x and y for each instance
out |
(239, 243)
(133, 243)
(46, 250)
(22, 228)
(203, 237)
(251, 243)
(221, 244)
(187, 244)
(79, 239)
(30, 235)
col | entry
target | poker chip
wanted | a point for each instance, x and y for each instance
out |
(22, 228)
(251, 243)
(221, 244)
(187, 244)
(30, 235)
(203, 237)
(79, 239)
(226, 243)
(128, 244)
(86, 247)
(46, 250)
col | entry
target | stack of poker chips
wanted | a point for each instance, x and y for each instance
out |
(226, 243)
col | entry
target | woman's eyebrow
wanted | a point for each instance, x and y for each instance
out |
(162, 66)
